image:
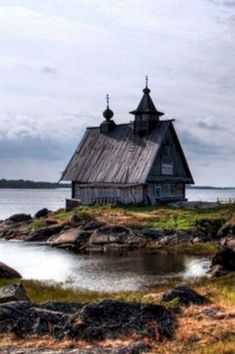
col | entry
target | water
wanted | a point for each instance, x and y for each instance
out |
(97, 271)
(31, 200)
(210, 195)
(109, 272)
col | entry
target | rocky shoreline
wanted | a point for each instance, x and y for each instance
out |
(85, 234)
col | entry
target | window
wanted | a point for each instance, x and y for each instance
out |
(157, 192)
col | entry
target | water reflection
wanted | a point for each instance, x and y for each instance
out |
(110, 272)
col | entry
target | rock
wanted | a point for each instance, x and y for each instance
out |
(224, 257)
(216, 271)
(207, 228)
(115, 319)
(8, 272)
(92, 225)
(25, 319)
(42, 213)
(186, 296)
(73, 237)
(75, 219)
(91, 322)
(64, 307)
(153, 233)
(175, 238)
(116, 234)
(44, 233)
(19, 218)
(13, 293)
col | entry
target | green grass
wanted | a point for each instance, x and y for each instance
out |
(36, 224)
(200, 248)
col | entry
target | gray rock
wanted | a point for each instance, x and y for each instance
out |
(44, 233)
(13, 293)
(8, 272)
(19, 218)
(42, 213)
(73, 237)
(115, 234)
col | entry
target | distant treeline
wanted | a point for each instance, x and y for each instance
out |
(20, 183)
(209, 187)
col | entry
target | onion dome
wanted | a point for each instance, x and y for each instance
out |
(108, 125)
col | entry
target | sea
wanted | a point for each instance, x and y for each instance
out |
(31, 200)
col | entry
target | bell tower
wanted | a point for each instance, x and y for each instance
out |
(146, 114)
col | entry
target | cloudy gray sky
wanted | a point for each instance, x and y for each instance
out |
(59, 58)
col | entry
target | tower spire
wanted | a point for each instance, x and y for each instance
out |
(146, 114)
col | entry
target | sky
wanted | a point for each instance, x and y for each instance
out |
(59, 59)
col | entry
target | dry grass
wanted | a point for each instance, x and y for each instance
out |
(197, 330)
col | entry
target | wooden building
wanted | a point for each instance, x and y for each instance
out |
(138, 162)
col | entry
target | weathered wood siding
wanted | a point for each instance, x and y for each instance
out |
(103, 195)
(168, 154)
(164, 192)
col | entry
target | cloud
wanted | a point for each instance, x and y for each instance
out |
(211, 124)
(59, 59)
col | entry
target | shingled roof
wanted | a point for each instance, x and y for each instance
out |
(116, 157)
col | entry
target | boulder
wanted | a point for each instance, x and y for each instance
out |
(42, 213)
(25, 319)
(185, 295)
(13, 293)
(74, 237)
(8, 272)
(116, 234)
(18, 218)
(114, 319)
(225, 258)
(44, 233)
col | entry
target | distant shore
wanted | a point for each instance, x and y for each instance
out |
(23, 184)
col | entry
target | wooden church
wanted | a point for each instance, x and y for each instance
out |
(141, 162)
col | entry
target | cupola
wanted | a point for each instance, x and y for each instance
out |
(146, 114)
(108, 124)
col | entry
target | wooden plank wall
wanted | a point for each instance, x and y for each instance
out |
(103, 195)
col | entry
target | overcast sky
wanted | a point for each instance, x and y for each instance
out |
(59, 58)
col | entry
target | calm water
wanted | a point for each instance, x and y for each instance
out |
(110, 272)
(31, 200)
